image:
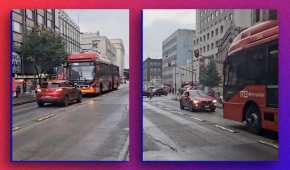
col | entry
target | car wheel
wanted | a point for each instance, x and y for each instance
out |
(181, 106)
(65, 101)
(40, 104)
(253, 119)
(79, 100)
(192, 108)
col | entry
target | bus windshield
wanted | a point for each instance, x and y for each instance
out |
(82, 71)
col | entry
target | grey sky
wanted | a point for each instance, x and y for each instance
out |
(159, 24)
(113, 23)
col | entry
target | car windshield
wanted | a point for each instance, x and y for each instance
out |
(50, 85)
(196, 93)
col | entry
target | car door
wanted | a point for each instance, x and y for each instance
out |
(187, 99)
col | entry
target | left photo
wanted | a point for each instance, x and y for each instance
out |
(69, 85)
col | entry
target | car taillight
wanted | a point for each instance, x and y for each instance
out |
(59, 90)
(38, 90)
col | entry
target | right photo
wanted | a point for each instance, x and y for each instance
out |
(210, 85)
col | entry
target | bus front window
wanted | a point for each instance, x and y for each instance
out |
(82, 71)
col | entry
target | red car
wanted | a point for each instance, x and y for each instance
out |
(59, 92)
(197, 100)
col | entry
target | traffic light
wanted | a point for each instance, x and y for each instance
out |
(196, 53)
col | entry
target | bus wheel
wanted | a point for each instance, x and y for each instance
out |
(253, 119)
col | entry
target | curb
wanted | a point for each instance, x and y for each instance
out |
(24, 102)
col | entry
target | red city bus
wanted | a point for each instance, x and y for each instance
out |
(250, 87)
(92, 73)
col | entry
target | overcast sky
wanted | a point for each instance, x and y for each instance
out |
(113, 23)
(159, 24)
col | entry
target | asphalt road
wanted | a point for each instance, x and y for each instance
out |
(171, 134)
(94, 130)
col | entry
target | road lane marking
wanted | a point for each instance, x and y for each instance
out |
(124, 154)
(45, 117)
(268, 143)
(157, 135)
(226, 129)
(197, 119)
(16, 128)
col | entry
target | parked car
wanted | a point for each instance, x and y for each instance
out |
(197, 100)
(159, 92)
(147, 92)
(58, 92)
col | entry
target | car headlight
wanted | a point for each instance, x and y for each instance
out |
(214, 101)
(195, 101)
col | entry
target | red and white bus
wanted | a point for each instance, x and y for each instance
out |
(92, 73)
(251, 77)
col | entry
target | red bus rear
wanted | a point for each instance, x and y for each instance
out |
(251, 77)
(92, 73)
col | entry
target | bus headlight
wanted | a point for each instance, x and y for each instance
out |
(195, 101)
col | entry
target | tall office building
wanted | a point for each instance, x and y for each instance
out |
(55, 20)
(100, 43)
(215, 29)
(120, 54)
(177, 51)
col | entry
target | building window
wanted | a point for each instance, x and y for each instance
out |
(222, 29)
(204, 49)
(212, 33)
(231, 17)
(273, 14)
(207, 47)
(29, 14)
(207, 36)
(49, 24)
(203, 37)
(216, 13)
(17, 27)
(216, 31)
(40, 19)
(212, 45)
(257, 12)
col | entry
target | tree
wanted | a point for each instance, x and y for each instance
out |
(42, 50)
(209, 75)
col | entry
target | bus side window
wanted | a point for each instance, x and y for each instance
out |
(272, 66)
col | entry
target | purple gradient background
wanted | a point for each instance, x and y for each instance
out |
(135, 149)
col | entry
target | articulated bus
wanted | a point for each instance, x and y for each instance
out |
(250, 86)
(92, 73)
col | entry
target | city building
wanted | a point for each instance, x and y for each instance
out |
(97, 42)
(70, 31)
(120, 54)
(23, 20)
(215, 29)
(152, 72)
(260, 15)
(56, 20)
(177, 51)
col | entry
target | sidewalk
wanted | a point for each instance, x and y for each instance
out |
(23, 100)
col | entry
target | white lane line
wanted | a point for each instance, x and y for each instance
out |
(16, 128)
(158, 136)
(124, 154)
(45, 117)
(268, 143)
(197, 119)
(226, 129)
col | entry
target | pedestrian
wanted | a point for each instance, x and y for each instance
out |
(18, 91)
(150, 93)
